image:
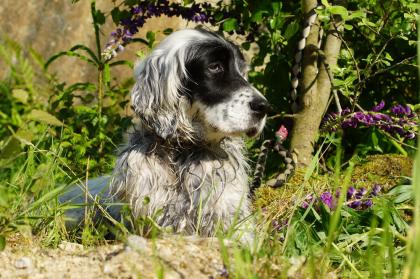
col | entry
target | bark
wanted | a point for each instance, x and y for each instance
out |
(315, 90)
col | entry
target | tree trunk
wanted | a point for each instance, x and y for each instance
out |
(315, 88)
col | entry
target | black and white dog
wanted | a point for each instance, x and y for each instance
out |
(185, 157)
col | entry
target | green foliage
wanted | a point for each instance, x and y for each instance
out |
(52, 134)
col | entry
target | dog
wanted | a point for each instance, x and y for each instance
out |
(185, 156)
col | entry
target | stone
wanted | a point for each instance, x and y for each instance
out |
(23, 263)
(70, 246)
(50, 26)
(136, 243)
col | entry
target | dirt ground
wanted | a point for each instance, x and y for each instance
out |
(167, 257)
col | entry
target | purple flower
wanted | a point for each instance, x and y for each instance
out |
(379, 106)
(401, 122)
(375, 190)
(337, 193)
(147, 9)
(350, 193)
(349, 123)
(307, 201)
(278, 226)
(410, 135)
(360, 193)
(359, 115)
(355, 204)
(345, 111)
(327, 199)
(381, 116)
(136, 10)
(367, 203)
(401, 110)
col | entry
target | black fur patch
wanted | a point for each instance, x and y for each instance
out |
(213, 88)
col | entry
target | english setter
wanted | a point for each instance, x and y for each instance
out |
(185, 157)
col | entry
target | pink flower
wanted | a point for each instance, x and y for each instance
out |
(282, 133)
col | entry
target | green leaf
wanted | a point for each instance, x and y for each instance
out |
(402, 193)
(44, 117)
(115, 14)
(168, 31)
(42, 200)
(21, 95)
(2, 242)
(25, 136)
(276, 7)
(258, 16)
(68, 53)
(11, 149)
(230, 24)
(88, 50)
(99, 17)
(312, 166)
(375, 142)
(123, 62)
(151, 37)
(39, 185)
(246, 45)
(339, 10)
(357, 14)
(291, 30)
(348, 27)
(140, 54)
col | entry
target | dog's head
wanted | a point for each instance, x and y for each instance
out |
(194, 85)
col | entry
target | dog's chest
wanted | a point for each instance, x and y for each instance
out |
(215, 180)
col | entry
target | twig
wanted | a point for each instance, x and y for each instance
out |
(334, 90)
(394, 66)
(359, 77)
(282, 116)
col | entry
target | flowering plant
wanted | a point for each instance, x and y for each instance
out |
(358, 199)
(130, 22)
(400, 120)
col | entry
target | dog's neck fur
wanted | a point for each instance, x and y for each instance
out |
(178, 178)
(204, 135)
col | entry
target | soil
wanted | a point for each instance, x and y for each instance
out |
(167, 257)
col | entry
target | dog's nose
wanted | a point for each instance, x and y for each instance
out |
(260, 106)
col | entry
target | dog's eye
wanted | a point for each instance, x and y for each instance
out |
(215, 68)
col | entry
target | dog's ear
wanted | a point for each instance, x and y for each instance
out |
(156, 96)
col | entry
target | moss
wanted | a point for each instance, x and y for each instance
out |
(279, 202)
(387, 170)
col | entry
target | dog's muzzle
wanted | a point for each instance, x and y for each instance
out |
(260, 107)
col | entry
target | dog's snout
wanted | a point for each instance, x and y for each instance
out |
(260, 106)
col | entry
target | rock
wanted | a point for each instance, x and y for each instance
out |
(107, 269)
(70, 246)
(136, 243)
(23, 263)
(50, 26)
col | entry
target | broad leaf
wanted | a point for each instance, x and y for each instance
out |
(44, 117)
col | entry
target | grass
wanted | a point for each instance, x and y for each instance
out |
(291, 241)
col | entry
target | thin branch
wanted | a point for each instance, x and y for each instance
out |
(359, 77)
(369, 68)
(280, 115)
(402, 62)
